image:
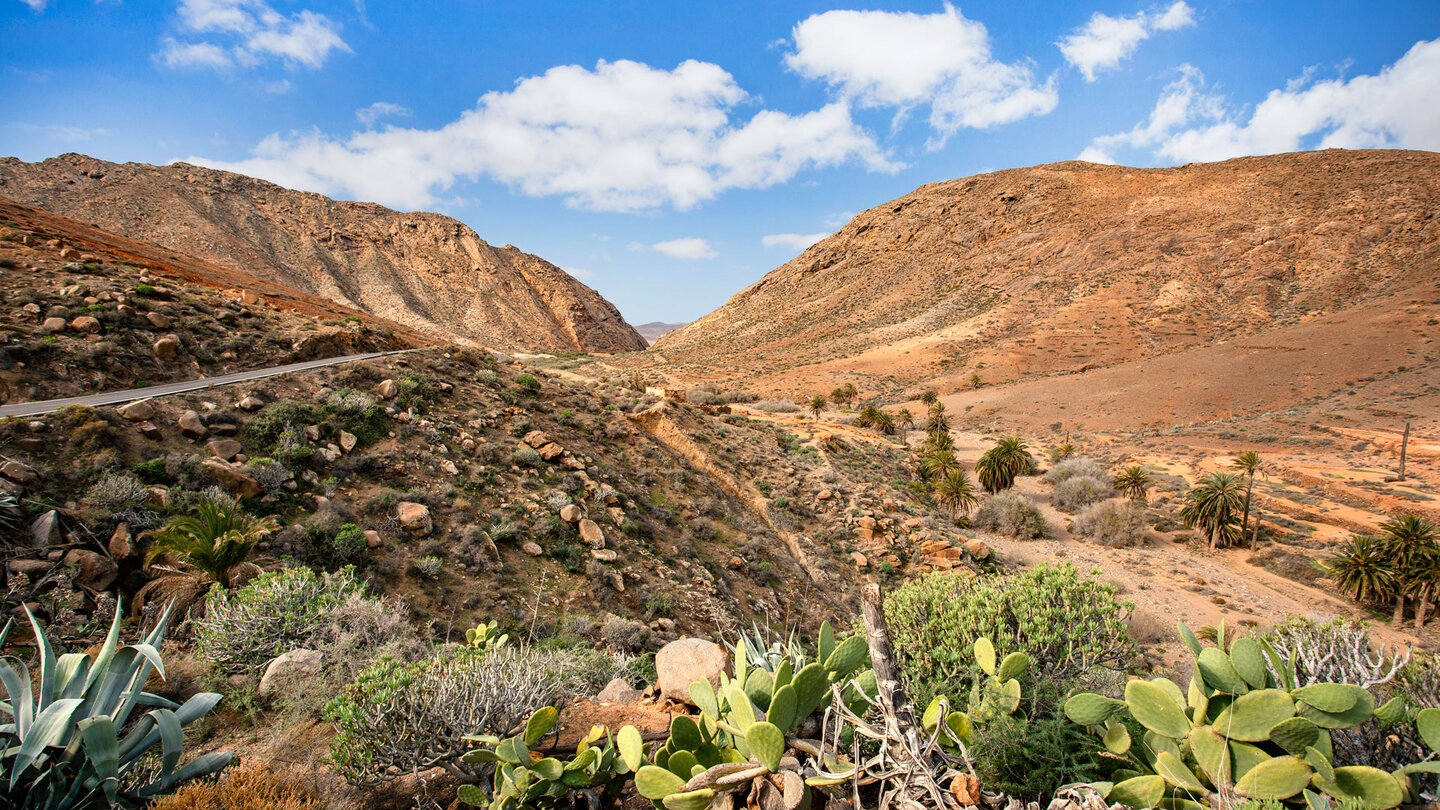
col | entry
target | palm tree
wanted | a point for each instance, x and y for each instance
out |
(1362, 569)
(939, 441)
(955, 491)
(851, 394)
(1413, 544)
(215, 540)
(937, 422)
(929, 397)
(999, 466)
(1133, 482)
(938, 462)
(838, 396)
(975, 380)
(873, 417)
(817, 404)
(1065, 451)
(906, 420)
(1424, 585)
(1211, 506)
(1248, 463)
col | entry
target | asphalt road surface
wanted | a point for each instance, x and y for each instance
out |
(117, 397)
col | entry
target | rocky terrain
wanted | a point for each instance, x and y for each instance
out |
(423, 270)
(1069, 267)
(84, 311)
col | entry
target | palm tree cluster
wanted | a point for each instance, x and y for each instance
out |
(998, 468)
(845, 394)
(1401, 562)
(873, 418)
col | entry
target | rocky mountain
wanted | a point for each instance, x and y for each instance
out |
(655, 330)
(423, 270)
(1073, 266)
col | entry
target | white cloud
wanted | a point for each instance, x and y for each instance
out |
(380, 109)
(579, 273)
(622, 137)
(246, 32)
(797, 241)
(902, 59)
(1104, 42)
(1391, 109)
(36, 6)
(691, 247)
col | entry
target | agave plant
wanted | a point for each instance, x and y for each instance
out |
(63, 749)
(9, 512)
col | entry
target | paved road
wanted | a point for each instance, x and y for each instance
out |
(117, 397)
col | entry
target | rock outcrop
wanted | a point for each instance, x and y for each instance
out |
(423, 270)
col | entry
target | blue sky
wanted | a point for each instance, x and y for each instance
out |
(671, 153)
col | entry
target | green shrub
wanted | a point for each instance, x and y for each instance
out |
(528, 381)
(351, 547)
(1079, 491)
(415, 392)
(1030, 754)
(63, 748)
(152, 471)
(1066, 622)
(145, 290)
(398, 718)
(357, 413)
(1012, 515)
(274, 613)
(427, 567)
(1112, 523)
(279, 424)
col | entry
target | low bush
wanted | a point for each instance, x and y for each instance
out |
(1011, 515)
(1073, 467)
(357, 413)
(279, 424)
(1112, 523)
(1066, 622)
(775, 406)
(398, 718)
(1079, 491)
(258, 785)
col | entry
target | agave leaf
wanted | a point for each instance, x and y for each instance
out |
(17, 685)
(70, 674)
(48, 729)
(196, 768)
(101, 666)
(102, 748)
(172, 743)
(47, 661)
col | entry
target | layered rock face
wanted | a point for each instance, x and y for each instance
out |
(423, 270)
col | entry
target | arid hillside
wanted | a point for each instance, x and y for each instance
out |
(1067, 267)
(424, 270)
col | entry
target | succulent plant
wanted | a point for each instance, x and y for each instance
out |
(996, 693)
(523, 779)
(1244, 731)
(486, 637)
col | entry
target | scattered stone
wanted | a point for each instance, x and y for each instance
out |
(224, 449)
(977, 549)
(619, 691)
(414, 518)
(35, 569)
(860, 560)
(386, 389)
(96, 571)
(53, 325)
(159, 320)
(150, 431)
(532, 548)
(536, 439)
(449, 467)
(58, 311)
(121, 544)
(166, 347)
(19, 472)
(551, 451)
(312, 432)
(233, 480)
(604, 554)
(138, 411)
(224, 429)
(372, 539)
(348, 441)
(570, 513)
(590, 532)
(289, 670)
(825, 495)
(190, 425)
(684, 661)
(250, 403)
(69, 254)
(248, 297)
(31, 309)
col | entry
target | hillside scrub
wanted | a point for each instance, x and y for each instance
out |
(1112, 523)
(1079, 491)
(1012, 515)
(1072, 467)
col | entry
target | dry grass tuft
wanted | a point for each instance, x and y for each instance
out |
(252, 786)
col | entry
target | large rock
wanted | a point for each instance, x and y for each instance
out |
(87, 324)
(93, 569)
(137, 411)
(536, 439)
(53, 325)
(290, 670)
(250, 403)
(234, 481)
(590, 532)
(19, 472)
(45, 530)
(121, 544)
(224, 449)
(159, 320)
(414, 518)
(166, 347)
(686, 660)
(349, 440)
(619, 690)
(570, 513)
(386, 389)
(190, 425)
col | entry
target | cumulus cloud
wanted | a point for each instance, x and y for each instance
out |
(621, 137)
(904, 59)
(1391, 109)
(797, 241)
(1104, 42)
(380, 109)
(691, 248)
(230, 33)
(36, 5)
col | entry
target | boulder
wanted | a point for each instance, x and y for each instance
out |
(619, 691)
(94, 570)
(372, 539)
(52, 325)
(977, 549)
(591, 534)
(532, 548)
(233, 480)
(348, 441)
(87, 324)
(138, 411)
(121, 544)
(224, 449)
(825, 495)
(536, 439)
(250, 403)
(35, 569)
(570, 513)
(19, 472)
(686, 660)
(604, 554)
(386, 389)
(150, 431)
(248, 297)
(414, 518)
(190, 425)
(550, 451)
(166, 347)
(159, 320)
(291, 669)
(449, 467)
